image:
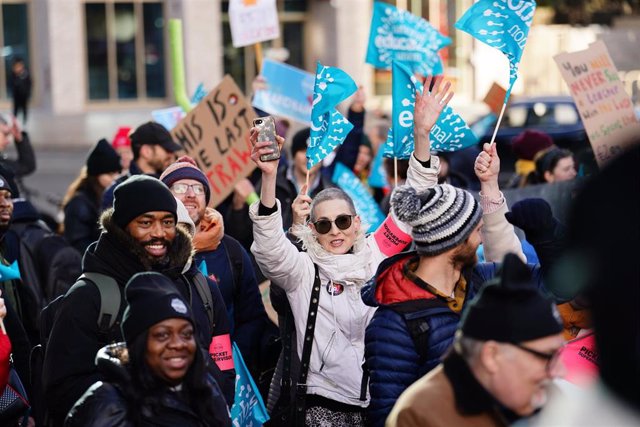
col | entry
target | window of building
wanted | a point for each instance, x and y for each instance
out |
(14, 40)
(241, 62)
(125, 50)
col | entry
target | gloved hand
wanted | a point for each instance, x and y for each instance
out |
(534, 217)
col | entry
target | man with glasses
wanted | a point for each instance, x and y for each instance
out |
(226, 261)
(505, 355)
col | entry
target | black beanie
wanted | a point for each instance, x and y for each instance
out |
(509, 308)
(103, 159)
(300, 141)
(140, 194)
(9, 182)
(151, 298)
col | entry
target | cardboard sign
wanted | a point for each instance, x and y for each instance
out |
(253, 21)
(605, 108)
(216, 135)
(495, 98)
(289, 92)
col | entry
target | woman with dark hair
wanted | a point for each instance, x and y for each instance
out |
(159, 377)
(81, 204)
(555, 165)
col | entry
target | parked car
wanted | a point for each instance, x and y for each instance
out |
(555, 115)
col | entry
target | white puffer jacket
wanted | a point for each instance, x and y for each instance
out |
(337, 355)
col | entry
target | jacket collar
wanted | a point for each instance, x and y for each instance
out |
(470, 396)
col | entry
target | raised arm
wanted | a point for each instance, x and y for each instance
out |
(498, 235)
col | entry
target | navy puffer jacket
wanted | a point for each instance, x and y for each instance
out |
(391, 356)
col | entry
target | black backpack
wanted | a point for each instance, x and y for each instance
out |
(49, 265)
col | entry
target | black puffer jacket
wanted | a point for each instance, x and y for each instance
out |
(105, 403)
(69, 368)
(81, 219)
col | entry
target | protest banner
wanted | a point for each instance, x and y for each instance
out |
(253, 21)
(289, 92)
(495, 98)
(604, 106)
(168, 117)
(365, 205)
(216, 135)
(397, 35)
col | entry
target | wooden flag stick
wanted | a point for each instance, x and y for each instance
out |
(307, 180)
(395, 171)
(495, 131)
(4, 331)
(258, 50)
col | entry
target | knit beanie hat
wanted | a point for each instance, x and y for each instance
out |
(300, 141)
(185, 168)
(140, 194)
(151, 298)
(509, 308)
(103, 159)
(530, 142)
(441, 218)
(121, 139)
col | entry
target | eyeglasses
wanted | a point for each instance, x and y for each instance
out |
(198, 189)
(323, 226)
(552, 359)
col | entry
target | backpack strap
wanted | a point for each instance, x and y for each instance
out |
(110, 298)
(203, 289)
(236, 263)
(418, 328)
(301, 386)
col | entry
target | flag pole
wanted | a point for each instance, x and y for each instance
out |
(395, 171)
(4, 331)
(258, 50)
(307, 179)
(495, 131)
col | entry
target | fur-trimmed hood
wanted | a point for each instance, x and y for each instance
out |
(120, 255)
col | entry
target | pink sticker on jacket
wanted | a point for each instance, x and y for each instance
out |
(221, 352)
(390, 238)
(580, 360)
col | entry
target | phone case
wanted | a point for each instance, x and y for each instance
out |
(267, 132)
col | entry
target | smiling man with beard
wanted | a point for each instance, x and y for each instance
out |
(505, 355)
(420, 294)
(139, 234)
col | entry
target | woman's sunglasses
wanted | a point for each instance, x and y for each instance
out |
(323, 226)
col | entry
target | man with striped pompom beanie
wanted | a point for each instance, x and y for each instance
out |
(420, 294)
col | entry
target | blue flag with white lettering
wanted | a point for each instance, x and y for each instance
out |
(329, 127)
(450, 132)
(502, 24)
(365, 205)
(248, 408)
(397, 35)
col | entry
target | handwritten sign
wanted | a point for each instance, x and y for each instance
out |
(605, 108)
(216, 135)
(253, 21)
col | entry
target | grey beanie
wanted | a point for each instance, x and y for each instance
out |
(441, 218)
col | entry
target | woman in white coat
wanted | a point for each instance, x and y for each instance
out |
(334, 240)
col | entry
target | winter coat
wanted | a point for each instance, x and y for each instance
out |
(390, 351)
(448, 396)
(105, 404)
(251, 328)
(20, 85)
(335, 370)
(81, 220)
(69, 367)
(25, 164)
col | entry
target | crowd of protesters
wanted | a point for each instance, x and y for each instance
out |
(461, 308)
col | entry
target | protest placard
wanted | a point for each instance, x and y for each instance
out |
(605, 108)
(495, 98)
(216, 135)
(253, 21)
(289, 92)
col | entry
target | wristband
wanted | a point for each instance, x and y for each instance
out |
(252, 198)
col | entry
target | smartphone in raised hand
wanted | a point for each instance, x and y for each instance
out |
(267, 132)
